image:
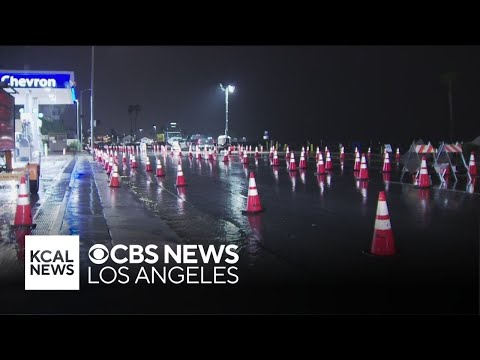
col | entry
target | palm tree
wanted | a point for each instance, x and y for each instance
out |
(449, 78)
(131, 109)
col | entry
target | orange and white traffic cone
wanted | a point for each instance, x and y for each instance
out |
(134, 162)
(115, 180)
(320, 165)
(159, 170)
(317, 153)
(293, 165)
(397, 155)
(253, 202)
(124, 158)
(328, 163)
(424, 180)
(287, 154)
(245, 158)
(386, 164)
(275, 161)
(256, 152)
(363, 175)
(472, 167)
(180, 177)
(383, 243)
(225, 156)
(342, 153)
(369, 153)
(303, 162)
(270, 155)
(148, 166)
(356, 166)
(210, 155)
(23, 213)
(110, 166)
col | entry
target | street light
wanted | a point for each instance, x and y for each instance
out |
(155, 128)
(81, 117)
(228, 89)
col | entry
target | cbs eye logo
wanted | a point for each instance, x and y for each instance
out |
(98, 254)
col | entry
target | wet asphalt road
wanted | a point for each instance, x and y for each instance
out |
(306, 252)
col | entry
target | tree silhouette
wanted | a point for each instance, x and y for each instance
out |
(133, 110)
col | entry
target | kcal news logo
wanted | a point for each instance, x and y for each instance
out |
(52, 262)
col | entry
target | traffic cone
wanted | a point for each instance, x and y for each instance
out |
(110, 166)
(253, 202)
(210, 155)
(342, 153)
(115, 180)
(225, 156)
(369, 153)
(363, 175)
(317, 153)
(303, 162)
(383, 243)
(105, 165)
(424, 179)
(275, 161)
(23, 214)
(397, 155)
(134, 162)
(124, 158)
(245, 158)
(386, 164)
(328, 163)
(148, 166)
(180, 177)
(356, 166)
(326, 149)
(472, 167)
(320, 165)
(270, 155)
(292, 166)
(287, 154)
(256, 152)
(159, 170)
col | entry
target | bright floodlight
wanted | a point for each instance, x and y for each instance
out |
(231, 88)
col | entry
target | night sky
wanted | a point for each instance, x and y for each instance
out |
(298, 93)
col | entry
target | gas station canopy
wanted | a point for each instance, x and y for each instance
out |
(48, 87)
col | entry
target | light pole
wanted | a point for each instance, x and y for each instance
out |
(155, 128)
(91, 102)
(226, 90)
(81, 117)
(78, 121)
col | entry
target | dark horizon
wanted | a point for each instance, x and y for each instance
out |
(298, 93)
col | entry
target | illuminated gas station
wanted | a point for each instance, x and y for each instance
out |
(22, 137)
(32, 88)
